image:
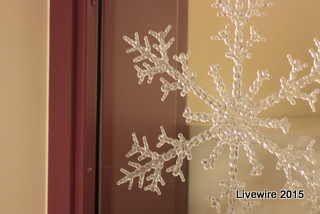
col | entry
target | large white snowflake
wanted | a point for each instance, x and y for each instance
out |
(235, 118)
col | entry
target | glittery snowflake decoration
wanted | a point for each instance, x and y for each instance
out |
(235, 118)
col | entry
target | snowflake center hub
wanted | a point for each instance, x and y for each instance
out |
(239, 112)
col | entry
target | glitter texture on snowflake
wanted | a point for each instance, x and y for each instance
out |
(235, 118)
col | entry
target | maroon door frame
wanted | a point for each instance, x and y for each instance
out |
(72, 106)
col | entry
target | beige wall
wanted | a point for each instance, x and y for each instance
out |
(289, 28)
(23, 107)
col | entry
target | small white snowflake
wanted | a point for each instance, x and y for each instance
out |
(235, 118)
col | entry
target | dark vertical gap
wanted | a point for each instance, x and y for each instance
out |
(98, 112)
(181, 193)
(73, 105)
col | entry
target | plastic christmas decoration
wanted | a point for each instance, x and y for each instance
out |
(235, 118)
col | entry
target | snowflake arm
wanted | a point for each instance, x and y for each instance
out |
(184, 81)
(238, 49)
(181, 150)
(231, 186)
(237, 11)
(291, 87)
(228, 191)
(290, 160)
(140, 171)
